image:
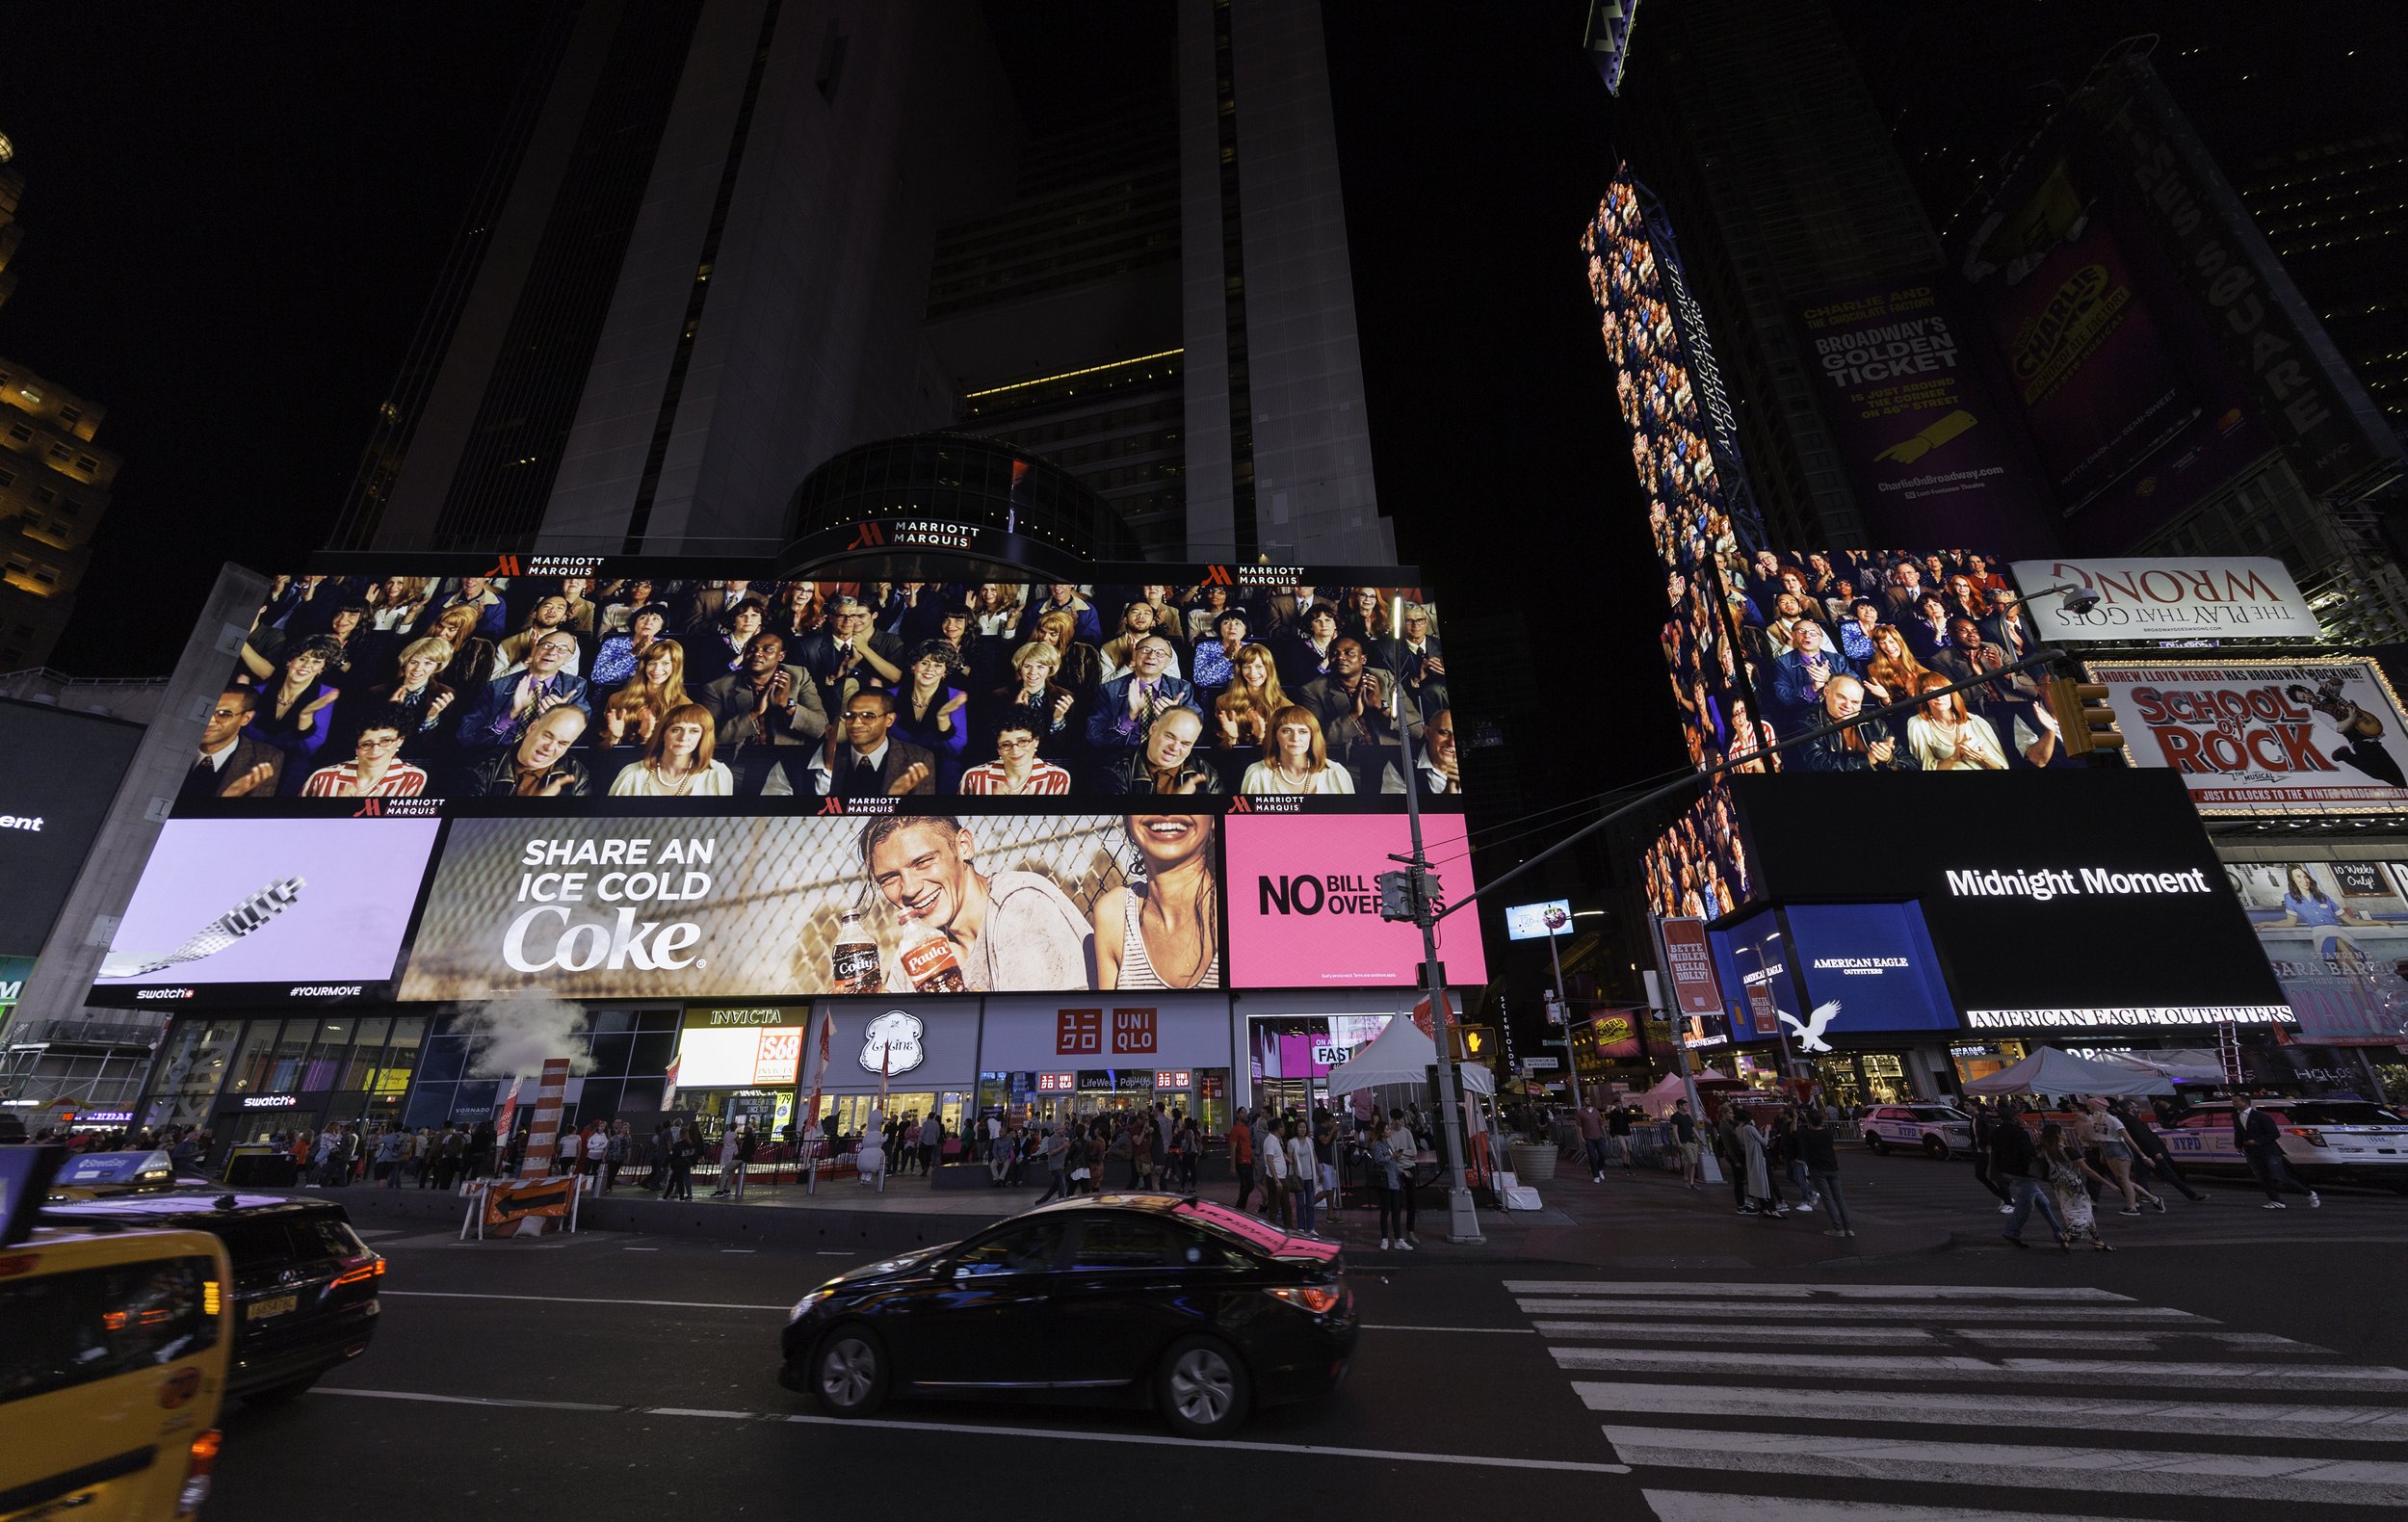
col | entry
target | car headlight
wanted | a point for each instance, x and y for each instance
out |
(805, 1305)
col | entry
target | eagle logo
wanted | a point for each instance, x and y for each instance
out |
(1810, 1029)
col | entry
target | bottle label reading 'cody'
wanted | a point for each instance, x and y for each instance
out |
(855, 969)
(933, 967)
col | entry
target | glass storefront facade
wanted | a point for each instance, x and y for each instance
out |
(621, 1062)
(247, 1078)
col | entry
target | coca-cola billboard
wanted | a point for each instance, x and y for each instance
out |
(716, 908)
(2260, 735)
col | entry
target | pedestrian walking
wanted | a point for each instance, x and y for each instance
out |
(1242, 1156)
(1820, 1158)
(1618, 1137)
(614, 1155)
(1303, 1173)
(2013, 1161)
(2070, 1177)
(2153, 1150)
(1275, 1156)
(2104, 1130)
(684, 1147)
(2260, 1138)
(1685, 1140)
(1734, 1153)
(1763, 1195)
(1056, 1150)
(1783, 1153)
(1985, 1124)
(1593, 1139)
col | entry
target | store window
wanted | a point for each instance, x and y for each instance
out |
(194, 1067)
(368, 1046)
(292, 1048)
(324, 1068)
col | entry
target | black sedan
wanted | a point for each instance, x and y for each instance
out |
(1122, 1299)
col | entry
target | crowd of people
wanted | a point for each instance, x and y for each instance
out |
(562, 686)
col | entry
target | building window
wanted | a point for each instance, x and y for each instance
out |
(21, 434)
(45, 576)
(69, 507)
(70, 414)
(45, 495)
(59, 452)
(85, 462)
(8, 478)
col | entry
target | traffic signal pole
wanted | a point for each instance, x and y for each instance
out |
(1462, 1215)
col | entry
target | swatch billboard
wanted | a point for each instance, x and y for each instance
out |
(1304, 901)
(266, 910)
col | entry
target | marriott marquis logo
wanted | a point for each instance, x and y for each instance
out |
(2047, 882)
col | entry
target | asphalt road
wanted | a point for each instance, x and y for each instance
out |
(2228, 1361)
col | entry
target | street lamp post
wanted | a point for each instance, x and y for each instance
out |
(1462, 1216)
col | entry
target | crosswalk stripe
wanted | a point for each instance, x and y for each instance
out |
(1689, 1505)
(1945, 1366)
(1829, 1311)
(2100, 1337)
(1845, 1336)
(2058, 1411)
(2259, 1477)
(1801, 1291)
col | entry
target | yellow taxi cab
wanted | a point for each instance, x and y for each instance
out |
(113, 1360)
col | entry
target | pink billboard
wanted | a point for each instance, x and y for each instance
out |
(1304, 901)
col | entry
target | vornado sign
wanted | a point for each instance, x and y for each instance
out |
(2142, 600)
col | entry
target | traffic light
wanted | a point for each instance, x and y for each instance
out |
(2082, 713)
(1396, 895)
(1473, 1043)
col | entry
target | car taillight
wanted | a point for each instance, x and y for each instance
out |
(357, 1272)
(196, 1471)
(2311, 1136)
(1318, 1299)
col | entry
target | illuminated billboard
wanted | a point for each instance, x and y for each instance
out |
(1304, 902)
(662, 683)
(1928, 448)
(2336, 934)
(1537, 921)
(2264, 736)
(59, 772)
(266, 910)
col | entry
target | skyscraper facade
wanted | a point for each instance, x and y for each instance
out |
(723, 245)
(54, 479)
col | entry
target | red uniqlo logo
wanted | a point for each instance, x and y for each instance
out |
(1057, 1082)
(1080, 1033)
(1133, 1033)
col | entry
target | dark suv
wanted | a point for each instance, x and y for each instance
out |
(304, 1284)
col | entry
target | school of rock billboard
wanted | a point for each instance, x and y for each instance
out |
(2251, 736)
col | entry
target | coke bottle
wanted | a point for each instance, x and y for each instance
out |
(929, 960)
(854, 960)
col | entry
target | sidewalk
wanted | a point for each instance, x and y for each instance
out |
(1641, 1221)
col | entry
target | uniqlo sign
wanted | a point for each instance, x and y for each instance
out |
(1133, 1033)
(1080, 1033)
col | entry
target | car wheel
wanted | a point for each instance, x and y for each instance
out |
(848, 1373)
(1935, 1147)
(279, 1393)
(1201, 1388)
(1880, 1147)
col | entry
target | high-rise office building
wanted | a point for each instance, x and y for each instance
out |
(722, 244)
(54, 479)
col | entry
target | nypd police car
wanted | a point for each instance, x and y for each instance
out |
(1937, 1129)
(2333, 1140)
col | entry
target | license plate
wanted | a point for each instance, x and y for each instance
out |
(272, 1305)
